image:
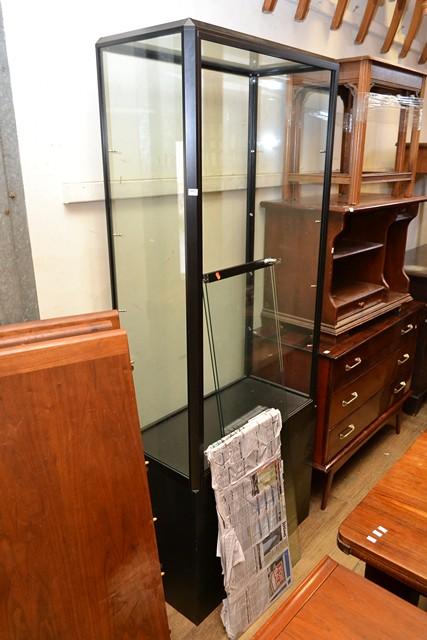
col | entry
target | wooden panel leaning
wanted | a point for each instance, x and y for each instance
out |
(334, 603)
(78, 556)
(53, 328)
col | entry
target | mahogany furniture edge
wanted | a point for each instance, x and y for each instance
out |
(345, 454)
(395, 507)
(394, 570)
(298, 599)
(333, 597)
(385, 63)
(333, 465)
(26, 358)
(34, 326)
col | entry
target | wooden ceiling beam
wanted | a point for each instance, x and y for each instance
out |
(398, 12)
(423, 56)
(302, 10)
(417, 17)
(370, 10)
(269, 6)
(339, 14)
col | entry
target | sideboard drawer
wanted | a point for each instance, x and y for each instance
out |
(346, 430)
(347, 399)
(399, 386)
(366, 355)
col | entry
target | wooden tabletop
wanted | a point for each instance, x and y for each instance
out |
(388, 529)
(333, 603)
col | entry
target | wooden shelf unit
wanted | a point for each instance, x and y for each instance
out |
(364, 276)
(366, 85)
(348, 248)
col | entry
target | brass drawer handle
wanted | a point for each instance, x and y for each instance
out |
(399, 387)
(357, 361)
(404, 358)
(354, 397)
(407, 329)
(348, 431)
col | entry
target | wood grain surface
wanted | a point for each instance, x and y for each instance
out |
(65, 322)
(399, 504)
(334, 603)
(78, 558)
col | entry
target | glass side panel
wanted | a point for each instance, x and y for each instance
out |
(224, 178)
(290, 172)
(224, 168)
(382, 129)
(244, 360)
(391, 120)
(160, 48)
(246, 60)
(143, 98)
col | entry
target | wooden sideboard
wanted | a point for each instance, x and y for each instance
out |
(363, 381)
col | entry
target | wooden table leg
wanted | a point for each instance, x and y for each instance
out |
(391, 584)
(327, 484)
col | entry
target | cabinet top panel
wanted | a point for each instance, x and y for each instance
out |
(224, 36)
(383, 63)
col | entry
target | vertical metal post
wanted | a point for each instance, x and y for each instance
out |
(106, 170)
(250, 216)
(324, 227)
(193, 248)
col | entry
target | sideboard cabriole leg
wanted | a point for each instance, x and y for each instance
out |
(327, 484)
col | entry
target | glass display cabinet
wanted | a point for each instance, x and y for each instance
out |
(198, 128)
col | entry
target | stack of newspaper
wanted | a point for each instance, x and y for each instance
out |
(247, 477)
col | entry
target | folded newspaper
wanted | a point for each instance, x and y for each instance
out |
(247, 478)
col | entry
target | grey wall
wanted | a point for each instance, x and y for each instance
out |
(18, 296)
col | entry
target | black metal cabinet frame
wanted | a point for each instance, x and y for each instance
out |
(192, 32)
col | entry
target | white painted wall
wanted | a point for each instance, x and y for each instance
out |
(52, 64)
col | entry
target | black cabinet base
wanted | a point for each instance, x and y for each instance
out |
(186, 530)
(186, 524)
(391, 584)
(414, 403)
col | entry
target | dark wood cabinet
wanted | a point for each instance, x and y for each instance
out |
(364, 379)
(416, 269)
